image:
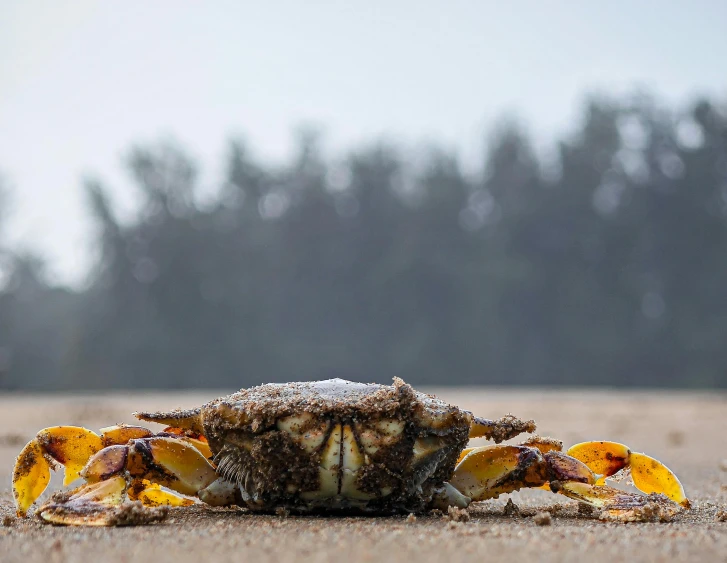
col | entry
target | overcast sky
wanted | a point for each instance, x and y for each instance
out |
(80, 81)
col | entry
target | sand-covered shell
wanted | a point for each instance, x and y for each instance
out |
(335, 444)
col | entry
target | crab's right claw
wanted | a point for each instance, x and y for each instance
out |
(70, 446)
(649, 475)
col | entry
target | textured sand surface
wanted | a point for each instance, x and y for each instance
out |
(688, 431)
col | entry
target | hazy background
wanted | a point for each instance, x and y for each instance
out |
(225, 193)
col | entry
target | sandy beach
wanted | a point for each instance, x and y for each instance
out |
(685, 430)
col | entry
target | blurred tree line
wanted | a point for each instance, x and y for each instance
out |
(603, 264)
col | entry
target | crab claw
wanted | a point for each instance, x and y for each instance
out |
(649, 475)
(153, 494)
(105, 503)
(85, 505)
(620, 505)
(107, 499)
(171, 461)
(70, 446)
(31, 476)
(489, 471)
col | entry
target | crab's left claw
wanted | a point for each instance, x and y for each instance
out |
(648, 474)
(70, 446)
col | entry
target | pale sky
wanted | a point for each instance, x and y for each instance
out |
(80, 81)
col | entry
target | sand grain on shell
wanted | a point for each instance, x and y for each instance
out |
(645, 421)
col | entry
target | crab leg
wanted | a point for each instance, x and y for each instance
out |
(187, 420)
(487, 472)
(157, 471)
(134, 454)
(499, 430)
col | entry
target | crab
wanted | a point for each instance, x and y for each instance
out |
(324, 446)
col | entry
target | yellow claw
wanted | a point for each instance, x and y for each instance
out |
(652, 476)
(71, 446)
(649, 475)
(489, 471)
(603, 458)
(31, 476)
(190, 468)
(154, 495)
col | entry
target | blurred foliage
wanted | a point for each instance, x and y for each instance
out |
(603, 264)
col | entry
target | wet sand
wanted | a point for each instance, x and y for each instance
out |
(687, 431)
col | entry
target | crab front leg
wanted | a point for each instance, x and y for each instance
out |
(500, 430)
(124, 463)
(487, 472)
(157, 471)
